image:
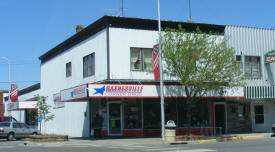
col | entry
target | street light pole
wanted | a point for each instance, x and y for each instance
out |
(9, 81)
(161, 77)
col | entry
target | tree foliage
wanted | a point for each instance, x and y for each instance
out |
(202, 62)
(44, 109)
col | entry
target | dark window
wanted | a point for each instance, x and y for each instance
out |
(68, 69)
(151, 114)
(15, 125)
(141, 59)
(239, 61)
(5, 124)
(89, 65)
(252, 67)
(132, 114)
(259, 114)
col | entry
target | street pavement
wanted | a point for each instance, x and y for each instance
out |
(138, 145)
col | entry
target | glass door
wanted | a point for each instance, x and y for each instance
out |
(115, 119)
(259, 118)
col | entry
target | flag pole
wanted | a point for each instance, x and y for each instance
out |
(161, 76)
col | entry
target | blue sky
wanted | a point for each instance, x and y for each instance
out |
(29, 28)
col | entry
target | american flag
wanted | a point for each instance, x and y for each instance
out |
(156, 61)
(14, 92)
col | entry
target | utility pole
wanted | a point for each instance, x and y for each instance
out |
(9, 80)
(161, 77)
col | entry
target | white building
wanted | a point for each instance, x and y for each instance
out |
(94, 70)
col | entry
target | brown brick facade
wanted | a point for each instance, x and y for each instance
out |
(1, 104)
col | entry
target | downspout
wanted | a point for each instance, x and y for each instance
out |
(108, 52)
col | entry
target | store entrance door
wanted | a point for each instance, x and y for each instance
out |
(115, 119)
(220, 118)
(259, 122)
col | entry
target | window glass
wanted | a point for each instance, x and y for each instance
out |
(148, 61)
(4, 124)
(89, 65)
(151, 110)
(132, 114)
(15, 125)
(68, 69)
(259, 114)
(252, 67)
(141, 59)
(239, 61)
(135, 59)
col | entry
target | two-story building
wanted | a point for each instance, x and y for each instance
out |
(106, 68)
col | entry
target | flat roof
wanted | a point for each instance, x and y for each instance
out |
(128, 23)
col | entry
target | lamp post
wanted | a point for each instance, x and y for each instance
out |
(161, 76)
(9, 81)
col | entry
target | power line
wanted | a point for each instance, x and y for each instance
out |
(18, 81)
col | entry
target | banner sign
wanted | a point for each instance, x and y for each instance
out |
(152, 91)
(270, 56)
(57, 101)
(14, 92)
(156, 62)
(74, 93)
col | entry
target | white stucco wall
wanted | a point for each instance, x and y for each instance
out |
(70, 120)
(121, 40)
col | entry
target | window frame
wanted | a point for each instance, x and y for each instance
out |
(141, 52)
(92, 66)
(250, 75)
(68, 74)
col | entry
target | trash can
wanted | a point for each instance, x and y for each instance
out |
(170, 131)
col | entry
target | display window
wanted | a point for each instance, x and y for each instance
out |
(132, 114)
(151, 112)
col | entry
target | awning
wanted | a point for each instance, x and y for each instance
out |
(260, 92)
(22, 105)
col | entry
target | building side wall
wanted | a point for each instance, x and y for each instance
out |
(70, 120)
(253, 42)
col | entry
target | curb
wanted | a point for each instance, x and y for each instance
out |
(231, 138)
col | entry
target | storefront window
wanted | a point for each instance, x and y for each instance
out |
(200, 114)
(132, 114)
(31, 117)
(151, 114)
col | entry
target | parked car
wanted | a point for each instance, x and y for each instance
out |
(7, 119)
(15, 130)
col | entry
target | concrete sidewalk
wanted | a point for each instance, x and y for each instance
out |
(125, 142)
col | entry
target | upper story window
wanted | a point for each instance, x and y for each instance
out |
(141, 59)
(68, 69)
(253, 67)
(239, 61)
(89, 65)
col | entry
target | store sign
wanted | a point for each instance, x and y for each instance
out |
(152, 91)
(74, 93)
(270, 56)
(14, 92)
(21, 105)
(57, 101)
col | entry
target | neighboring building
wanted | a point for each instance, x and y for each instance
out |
(2, 104)
(105, 68)
(25, 110)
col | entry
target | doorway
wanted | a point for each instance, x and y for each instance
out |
(115, 119)
(259, 118)
(220, 118)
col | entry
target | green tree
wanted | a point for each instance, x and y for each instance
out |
(44, 110)
(202, 62)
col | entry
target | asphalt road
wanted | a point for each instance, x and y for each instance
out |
(251, 145)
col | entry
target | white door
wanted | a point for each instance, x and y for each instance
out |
(258, 118)
(115, 119)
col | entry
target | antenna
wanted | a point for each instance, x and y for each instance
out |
(190, 19)
(120, 11)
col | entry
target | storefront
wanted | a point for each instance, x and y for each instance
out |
(25, 111)
(134, 110)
